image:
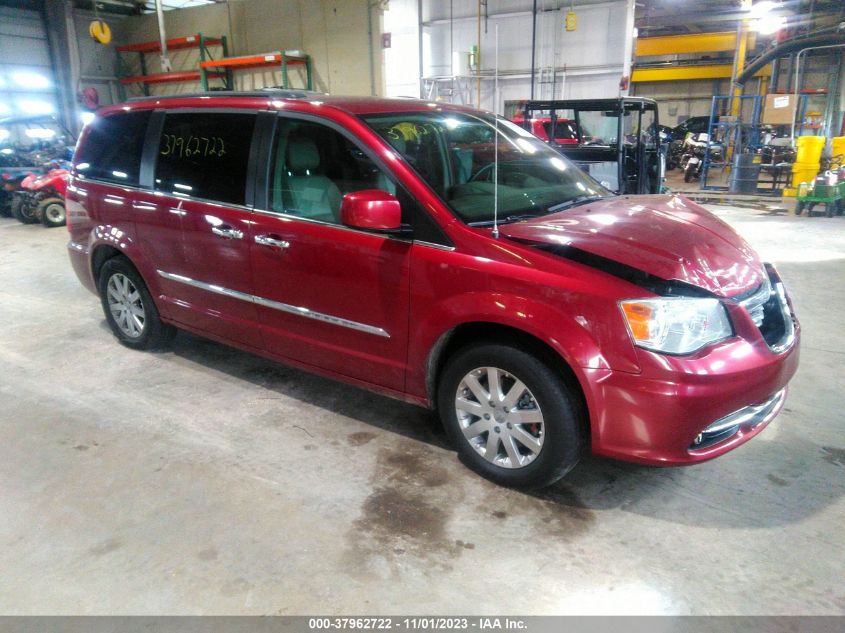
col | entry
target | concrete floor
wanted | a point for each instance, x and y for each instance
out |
(204, 480)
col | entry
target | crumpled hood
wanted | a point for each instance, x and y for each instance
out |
(669, 237)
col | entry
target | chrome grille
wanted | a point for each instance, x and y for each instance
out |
(755, 304)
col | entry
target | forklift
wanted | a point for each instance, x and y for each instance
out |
(616, 141)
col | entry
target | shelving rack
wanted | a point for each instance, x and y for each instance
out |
(198, 41)
(277, 59)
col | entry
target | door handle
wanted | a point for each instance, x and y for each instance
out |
(271, 240)
(227, 232)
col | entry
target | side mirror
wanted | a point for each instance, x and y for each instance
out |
(371, 209)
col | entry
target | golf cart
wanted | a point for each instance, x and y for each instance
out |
(617, 139)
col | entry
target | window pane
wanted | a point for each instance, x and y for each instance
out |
(460, 157)
(313, 167)
(205, 155)
(112, 149)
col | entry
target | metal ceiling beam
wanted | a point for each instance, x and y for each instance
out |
(685, 73)
(697, 43)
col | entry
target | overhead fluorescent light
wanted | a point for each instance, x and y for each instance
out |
(30, 80)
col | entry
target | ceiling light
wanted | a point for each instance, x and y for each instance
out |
(33, 81)
(769, 24)
(759, 9)
(40, 133)
(31, 106)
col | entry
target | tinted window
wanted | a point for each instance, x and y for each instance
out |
(563, 130)
(314, 166)
(112, 149)
(205, 155)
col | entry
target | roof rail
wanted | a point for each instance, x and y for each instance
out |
(272, 92)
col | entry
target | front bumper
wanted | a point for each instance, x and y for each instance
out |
(684, 410)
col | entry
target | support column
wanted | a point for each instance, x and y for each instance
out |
(739, 58)
(64, 56)
(629, 50)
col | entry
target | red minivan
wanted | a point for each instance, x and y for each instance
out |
(439, 255)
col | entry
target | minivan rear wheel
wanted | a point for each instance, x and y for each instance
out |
(510, 416)
(129, 307)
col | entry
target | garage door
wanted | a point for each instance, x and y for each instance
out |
(27, 84)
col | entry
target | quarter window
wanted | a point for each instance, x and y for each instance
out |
(205, 155)
(112, 149)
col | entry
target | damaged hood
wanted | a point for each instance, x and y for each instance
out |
(669, 237)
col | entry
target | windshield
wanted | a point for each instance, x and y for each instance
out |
(455, 153)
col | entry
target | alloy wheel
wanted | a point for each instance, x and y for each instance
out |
(499, 417)
(125, 305)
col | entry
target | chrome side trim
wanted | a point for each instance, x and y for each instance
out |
(441, 247)
(276, 305)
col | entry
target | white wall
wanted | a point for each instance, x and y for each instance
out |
(402, 59)
(588, 61)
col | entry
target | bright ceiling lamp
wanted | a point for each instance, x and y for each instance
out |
(40, 133)
(33, 106)
(760, 9)
(769, 24)
(762, 19)
(30, 80)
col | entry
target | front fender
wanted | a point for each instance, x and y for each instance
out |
(572, 339)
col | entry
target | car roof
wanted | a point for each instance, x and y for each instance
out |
(279, 98)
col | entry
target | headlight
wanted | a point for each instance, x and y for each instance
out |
(676, 325)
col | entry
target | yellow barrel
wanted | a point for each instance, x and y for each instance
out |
(803, 172)
(809, 149)
(837, 148)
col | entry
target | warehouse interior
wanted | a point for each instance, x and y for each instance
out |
(203, 479)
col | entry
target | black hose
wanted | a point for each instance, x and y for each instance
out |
(836, 36)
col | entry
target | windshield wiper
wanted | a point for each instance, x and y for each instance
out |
(515, 217)
(575, 202)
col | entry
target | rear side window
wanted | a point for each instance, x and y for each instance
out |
(112, 149)
(205, 155)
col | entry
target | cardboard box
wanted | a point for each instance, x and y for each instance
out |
(779, 110)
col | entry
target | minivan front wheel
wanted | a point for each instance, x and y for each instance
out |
(511, 418)
(129, 308)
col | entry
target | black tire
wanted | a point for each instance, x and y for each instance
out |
(563, 428)
(688, 175)
(152, 333)
(52, 212)
(799, 208)
(23, 211)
